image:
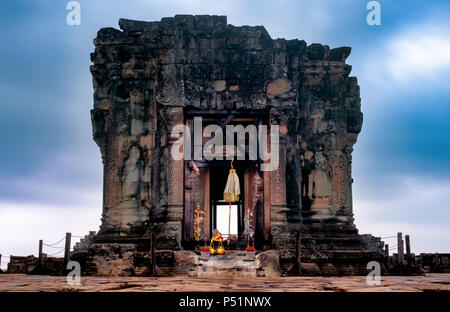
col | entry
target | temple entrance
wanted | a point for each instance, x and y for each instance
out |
(204, 207)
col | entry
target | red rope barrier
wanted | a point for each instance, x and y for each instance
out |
(229, 225)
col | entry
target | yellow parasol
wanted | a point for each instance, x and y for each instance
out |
(231, 194)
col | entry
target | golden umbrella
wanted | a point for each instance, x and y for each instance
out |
(231, 194)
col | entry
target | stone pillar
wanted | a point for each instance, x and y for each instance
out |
(172, 230)
(67, 248)
(110, 179)
(401, 255)
(408, 250)
(278, 210)
(299, 253)
(284, 222)
(40, 252)
(278, 183)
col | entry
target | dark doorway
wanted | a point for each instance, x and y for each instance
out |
(206, 189)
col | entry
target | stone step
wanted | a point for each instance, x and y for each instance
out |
(227, 262)
(233, 264)
(226, 271)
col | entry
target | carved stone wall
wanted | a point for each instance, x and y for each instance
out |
(330, 119)
(148, 73)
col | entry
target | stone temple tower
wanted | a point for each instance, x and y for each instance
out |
(151, 76)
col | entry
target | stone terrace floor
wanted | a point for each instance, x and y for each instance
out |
(428, 282)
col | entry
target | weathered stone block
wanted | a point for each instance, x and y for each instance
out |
(269, 263)
(184, 261)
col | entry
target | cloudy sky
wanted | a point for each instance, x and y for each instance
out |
(50, 169)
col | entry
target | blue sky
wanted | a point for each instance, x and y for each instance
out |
(50, 169)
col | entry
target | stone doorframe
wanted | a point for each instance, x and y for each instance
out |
(282, 215)
(189, 180)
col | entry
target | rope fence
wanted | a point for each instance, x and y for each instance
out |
(55, 249)
(49, 254)
(56, 253)
(50, 245)
(400, 248)
(53, 246)
(58, 250)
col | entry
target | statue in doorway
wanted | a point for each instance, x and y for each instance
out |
(217, 238)
(198, 221)
(249, 231)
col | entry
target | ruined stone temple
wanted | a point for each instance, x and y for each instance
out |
(151, 76)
